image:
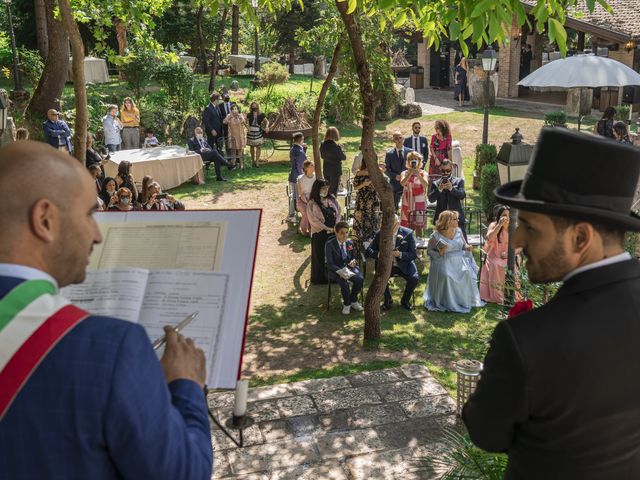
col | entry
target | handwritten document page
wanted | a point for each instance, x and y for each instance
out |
(156, 246)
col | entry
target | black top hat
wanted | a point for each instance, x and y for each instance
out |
(579, 176)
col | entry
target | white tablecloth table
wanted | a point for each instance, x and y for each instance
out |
(95, 70)
(170, 166)
(238, 62)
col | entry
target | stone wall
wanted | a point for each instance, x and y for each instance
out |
(509, 64)
(424, 60)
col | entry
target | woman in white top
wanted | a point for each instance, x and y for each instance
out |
(304, 184)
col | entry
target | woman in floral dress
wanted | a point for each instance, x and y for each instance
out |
(366, 222)
(413, 213)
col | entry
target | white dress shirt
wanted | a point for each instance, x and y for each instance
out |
(24, 272)
(621, 257)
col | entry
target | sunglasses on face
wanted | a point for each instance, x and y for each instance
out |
(445, 171)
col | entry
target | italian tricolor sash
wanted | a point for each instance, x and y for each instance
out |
(33, 319)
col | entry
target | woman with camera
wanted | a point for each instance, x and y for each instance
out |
(415, 183)
(160, 201)
(122, 201)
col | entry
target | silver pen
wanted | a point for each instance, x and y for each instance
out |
(163, 339)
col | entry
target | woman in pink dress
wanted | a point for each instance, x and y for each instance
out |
(414, 196)
(493, 271)
(440, 147)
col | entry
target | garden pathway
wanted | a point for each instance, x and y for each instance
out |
(380, 425)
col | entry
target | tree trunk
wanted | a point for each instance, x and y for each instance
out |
(292, 60)
(315, 124)
(79, 88)
(54, 75)
(216, 52)
(383, 269)
(202, 47)
(235, 29)
(41, 27)
(121, 35)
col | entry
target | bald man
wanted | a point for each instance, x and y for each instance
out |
(82, 396)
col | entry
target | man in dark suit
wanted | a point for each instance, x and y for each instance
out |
(448, 192)
(198, 144)
(418, 143)
(396, 162)
(560, 387)
(404, 265)
(225, 109)
(339, 254)
(212, 120)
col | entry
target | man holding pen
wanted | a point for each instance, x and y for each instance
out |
(82, 396)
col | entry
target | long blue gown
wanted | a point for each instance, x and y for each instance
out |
(452, 283)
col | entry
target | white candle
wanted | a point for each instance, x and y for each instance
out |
(240, 405)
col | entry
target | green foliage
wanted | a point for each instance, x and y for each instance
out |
(138, 67)
(272, 74)
(178, 80)
(631, 243)
(489, 181)
(288, 20)
(464, 461)
(539, 294)
(485, 154)
(555, 119)
(31, 65)
(622, 112)
(6, 55)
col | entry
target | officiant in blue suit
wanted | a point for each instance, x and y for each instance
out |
(82, 396)
(340, 254)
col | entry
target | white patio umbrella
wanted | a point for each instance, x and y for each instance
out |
(581, 71)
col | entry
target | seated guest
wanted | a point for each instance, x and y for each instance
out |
(453, 273)
(96, 174)
(448, 192)
(22, 134)
(418, 143)
(199, 144)
(56, 132)
(323, 212)
(150, 139)
(297, 157)
(92, 156)
(147, 180)
(622, 133)
(108, 191)
(404, 265)
(342, 267)
(415, 183)
(124, 201)
(304, 185)
(161, 201)
(124, 179)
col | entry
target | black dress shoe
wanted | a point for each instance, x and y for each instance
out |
(386, 306)
(221, 179)
(407, 306)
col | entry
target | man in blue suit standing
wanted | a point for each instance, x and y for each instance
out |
(212, 120)
(396, 162)
(56, 132)
(404, 265)
(89, 398)
(418, 143)
(339, 255)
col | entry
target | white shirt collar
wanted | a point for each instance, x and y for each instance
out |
(24, 272)
(621, 257)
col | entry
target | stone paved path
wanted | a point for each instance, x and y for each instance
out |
(376, 425)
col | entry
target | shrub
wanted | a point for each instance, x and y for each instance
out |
(342, 105)
(6, 54)
(271, 74)
(178, 80)
(31, 65)
(485, 154)
(631, 243)
(137, 66)
(489, 181)
(555, 119)
(622, 112)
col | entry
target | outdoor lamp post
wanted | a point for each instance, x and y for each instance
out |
(16, 70)
(513, 161)
(256, 62)
(489, 60)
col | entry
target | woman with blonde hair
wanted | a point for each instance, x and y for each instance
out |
(130, 118)
(332, 156)
(453, 273)
(415, 184)
(461, 78)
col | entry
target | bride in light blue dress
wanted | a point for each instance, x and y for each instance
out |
(452, 283)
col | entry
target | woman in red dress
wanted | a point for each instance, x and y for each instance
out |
(440, 147)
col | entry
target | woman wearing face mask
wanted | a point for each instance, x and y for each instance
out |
(108, 191)
(323, 212)
(123, 202)
(236, 139)
(257, 124)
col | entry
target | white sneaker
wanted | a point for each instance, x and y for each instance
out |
(346, 309)
(357, 307)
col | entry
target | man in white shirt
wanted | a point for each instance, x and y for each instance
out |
(560, 387)
(417, 142)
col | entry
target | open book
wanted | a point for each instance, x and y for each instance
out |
(155, 298)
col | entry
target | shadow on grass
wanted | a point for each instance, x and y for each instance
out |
(289, 236)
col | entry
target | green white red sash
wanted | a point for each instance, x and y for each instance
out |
(33, 319)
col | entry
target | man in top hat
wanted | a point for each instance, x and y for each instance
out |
(560, 388)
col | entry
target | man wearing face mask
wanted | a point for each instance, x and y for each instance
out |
(209, 155)
(212, 120)
(448, 192)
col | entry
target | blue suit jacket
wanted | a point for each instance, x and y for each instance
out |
(194, 145)
(98, 407)
(423, 146)
(406, 244)
(212, 120)
(334, 258)
(297, 157)
(395, 166)
(54, 130)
